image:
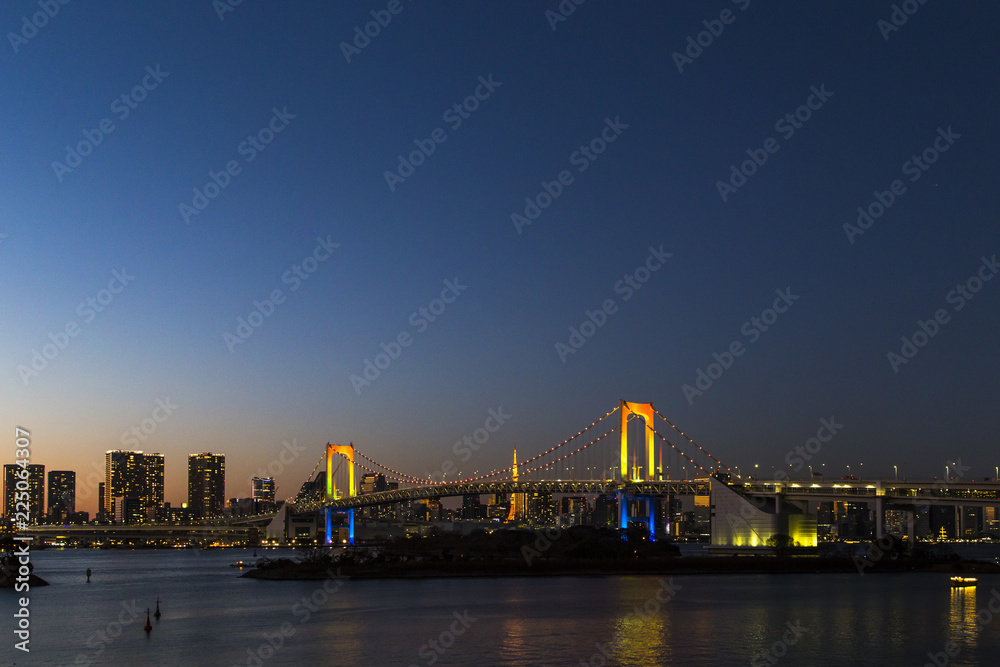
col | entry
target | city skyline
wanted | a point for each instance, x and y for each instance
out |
(262, 231)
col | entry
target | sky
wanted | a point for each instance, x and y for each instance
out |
(168, 168)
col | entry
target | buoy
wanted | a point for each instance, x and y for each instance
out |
(149, 626)
(88, 575)
(157, 612)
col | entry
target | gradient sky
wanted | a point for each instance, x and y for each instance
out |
(323, 176)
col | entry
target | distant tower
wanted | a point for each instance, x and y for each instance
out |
(516, 499)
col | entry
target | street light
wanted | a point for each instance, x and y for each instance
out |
(895, 472)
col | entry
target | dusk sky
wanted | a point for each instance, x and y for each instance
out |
(286, 123)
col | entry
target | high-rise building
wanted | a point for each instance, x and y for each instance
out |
(102, 513)
(62, 493)
(152, 488)
(206, 484)
(124, 476)
(135, 476)
(472, 508)
(128, 510)
(10, 477)
(35, 489)
(539, 507)
(372, 483)
(263, 489)
(606, 510)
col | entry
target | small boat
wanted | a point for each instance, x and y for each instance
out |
(961, 582)
(240, 564)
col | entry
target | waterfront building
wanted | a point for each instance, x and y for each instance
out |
(206, 484)
(263, 489)
(36, 491)
(124, 477)
(152, 487)
(61, 494)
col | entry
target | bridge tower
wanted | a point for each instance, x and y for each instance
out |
(347, 451)
(646, 412)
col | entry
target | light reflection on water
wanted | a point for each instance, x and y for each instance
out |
(211, 617)
(962, 617)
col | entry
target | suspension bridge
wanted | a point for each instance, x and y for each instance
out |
(639, 457)
(591, 461)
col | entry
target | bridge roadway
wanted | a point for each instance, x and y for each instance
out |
(889, 491)
(700, 487)
(237, 530)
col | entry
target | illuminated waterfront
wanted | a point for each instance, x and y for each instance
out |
(212, 617)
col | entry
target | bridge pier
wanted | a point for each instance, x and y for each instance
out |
(624, 518)
(329, 526)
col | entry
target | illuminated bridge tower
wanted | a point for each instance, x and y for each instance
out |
(625, 500)
(346, 455)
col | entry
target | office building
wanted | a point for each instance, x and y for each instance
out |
(124, 477)
(62, 494)
(34, 485)
(263, 489)
(206, 484)
(152, 488)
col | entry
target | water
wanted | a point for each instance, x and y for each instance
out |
(212, 617)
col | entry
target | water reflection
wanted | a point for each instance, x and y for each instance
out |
(963, 628)
(643, 628)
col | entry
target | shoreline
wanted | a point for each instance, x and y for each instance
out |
(681, 565)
